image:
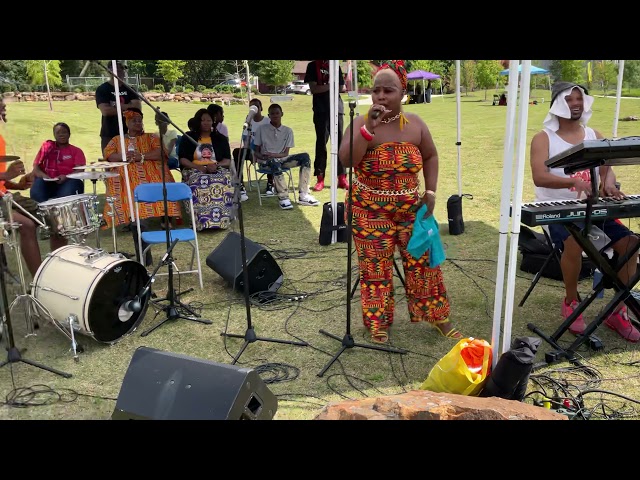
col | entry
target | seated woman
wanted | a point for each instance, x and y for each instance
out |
(145, 166)
(54, 161)
(205, 168)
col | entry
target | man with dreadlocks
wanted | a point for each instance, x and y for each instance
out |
(389, 150)
(565, 126)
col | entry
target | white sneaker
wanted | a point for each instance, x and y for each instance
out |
(270, 190)
(243, 196)
(285, 204)
(307, 199)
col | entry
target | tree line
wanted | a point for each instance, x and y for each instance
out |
(475, 75)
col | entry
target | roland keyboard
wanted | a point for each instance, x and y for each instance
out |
(563, 211)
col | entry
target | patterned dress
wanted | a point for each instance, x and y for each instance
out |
(147, 172)
(384, 203)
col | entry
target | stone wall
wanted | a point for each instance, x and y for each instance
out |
(222, 98)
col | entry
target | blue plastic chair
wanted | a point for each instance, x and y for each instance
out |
(176, 191)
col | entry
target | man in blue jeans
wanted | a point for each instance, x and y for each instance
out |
(564, 127)
(273, 142)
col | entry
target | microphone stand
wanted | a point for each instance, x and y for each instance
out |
(171, 309)
(250, 334)
(347, 340)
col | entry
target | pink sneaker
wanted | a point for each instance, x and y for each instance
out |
(619, 322)
(578, 325)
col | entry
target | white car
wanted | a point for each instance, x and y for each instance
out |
(299, 87)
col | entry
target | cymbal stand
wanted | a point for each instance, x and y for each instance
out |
(112, 214)
(95, 196)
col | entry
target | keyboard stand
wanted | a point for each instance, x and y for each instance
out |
(623, 293)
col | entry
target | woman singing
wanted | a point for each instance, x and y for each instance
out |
(389, 150)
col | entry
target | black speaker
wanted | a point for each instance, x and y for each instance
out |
(168, 386)
(226, 261)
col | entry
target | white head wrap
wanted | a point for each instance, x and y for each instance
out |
(559, 107)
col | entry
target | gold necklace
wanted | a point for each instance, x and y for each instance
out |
(392, 119)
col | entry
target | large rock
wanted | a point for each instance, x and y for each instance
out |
(426, 405)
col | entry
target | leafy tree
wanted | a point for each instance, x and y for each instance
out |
(468, 70)
(631, 73)
(171, 70)
(12, 73)
(605, 73)
(365, 74)
(275, 72)
(204, 72)
(568, 70)
(35, 72)
(487, 71)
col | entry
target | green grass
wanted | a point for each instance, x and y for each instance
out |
(292, 237)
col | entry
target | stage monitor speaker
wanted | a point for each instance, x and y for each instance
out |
(226, 261)
(168, 386)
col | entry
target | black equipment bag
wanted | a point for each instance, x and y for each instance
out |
(326, 224)
(454, 213)
(535, 250)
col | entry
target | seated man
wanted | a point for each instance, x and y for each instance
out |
(273, 141)
(564, 127)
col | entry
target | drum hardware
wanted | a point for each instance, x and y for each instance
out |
(13, 353)
(29, 311)
(112, 214)
(98, 288)
(74, 346)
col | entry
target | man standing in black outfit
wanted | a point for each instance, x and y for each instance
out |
(106, 102)
(317, 76)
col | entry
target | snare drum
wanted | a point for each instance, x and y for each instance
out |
(95, 287)
(71, 215)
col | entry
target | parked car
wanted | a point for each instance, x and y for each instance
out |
(299, 87)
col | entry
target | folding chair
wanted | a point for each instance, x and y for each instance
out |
(176, 191)
(262, 170)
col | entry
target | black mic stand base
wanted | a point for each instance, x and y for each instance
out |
(13, 356)
(251, 337)
(348, 342)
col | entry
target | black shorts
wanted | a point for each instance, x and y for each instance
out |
(612, 228)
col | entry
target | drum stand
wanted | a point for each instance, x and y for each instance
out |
(29, 310)
(112, 214)
(13, 354)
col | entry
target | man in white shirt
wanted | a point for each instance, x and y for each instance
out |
(272, 144)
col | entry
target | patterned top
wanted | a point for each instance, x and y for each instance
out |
(391, 166)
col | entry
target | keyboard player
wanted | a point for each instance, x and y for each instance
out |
(565, 126)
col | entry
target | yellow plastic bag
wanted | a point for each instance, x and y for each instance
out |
(463, 370)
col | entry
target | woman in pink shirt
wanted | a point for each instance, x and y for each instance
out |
(55, 160)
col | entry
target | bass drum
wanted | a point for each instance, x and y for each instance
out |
(94, 286)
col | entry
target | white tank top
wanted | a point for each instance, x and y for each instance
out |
(558, 145)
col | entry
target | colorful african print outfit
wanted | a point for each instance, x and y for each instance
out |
(147, 172)
(385, 197)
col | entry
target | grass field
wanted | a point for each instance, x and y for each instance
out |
(319, 273)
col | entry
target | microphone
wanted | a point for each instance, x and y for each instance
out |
(132, 305)
(252, 113)
(375, 114)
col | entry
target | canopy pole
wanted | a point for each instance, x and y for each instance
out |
(505, 198)
(618, 97)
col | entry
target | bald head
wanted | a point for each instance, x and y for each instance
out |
(387, 78)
